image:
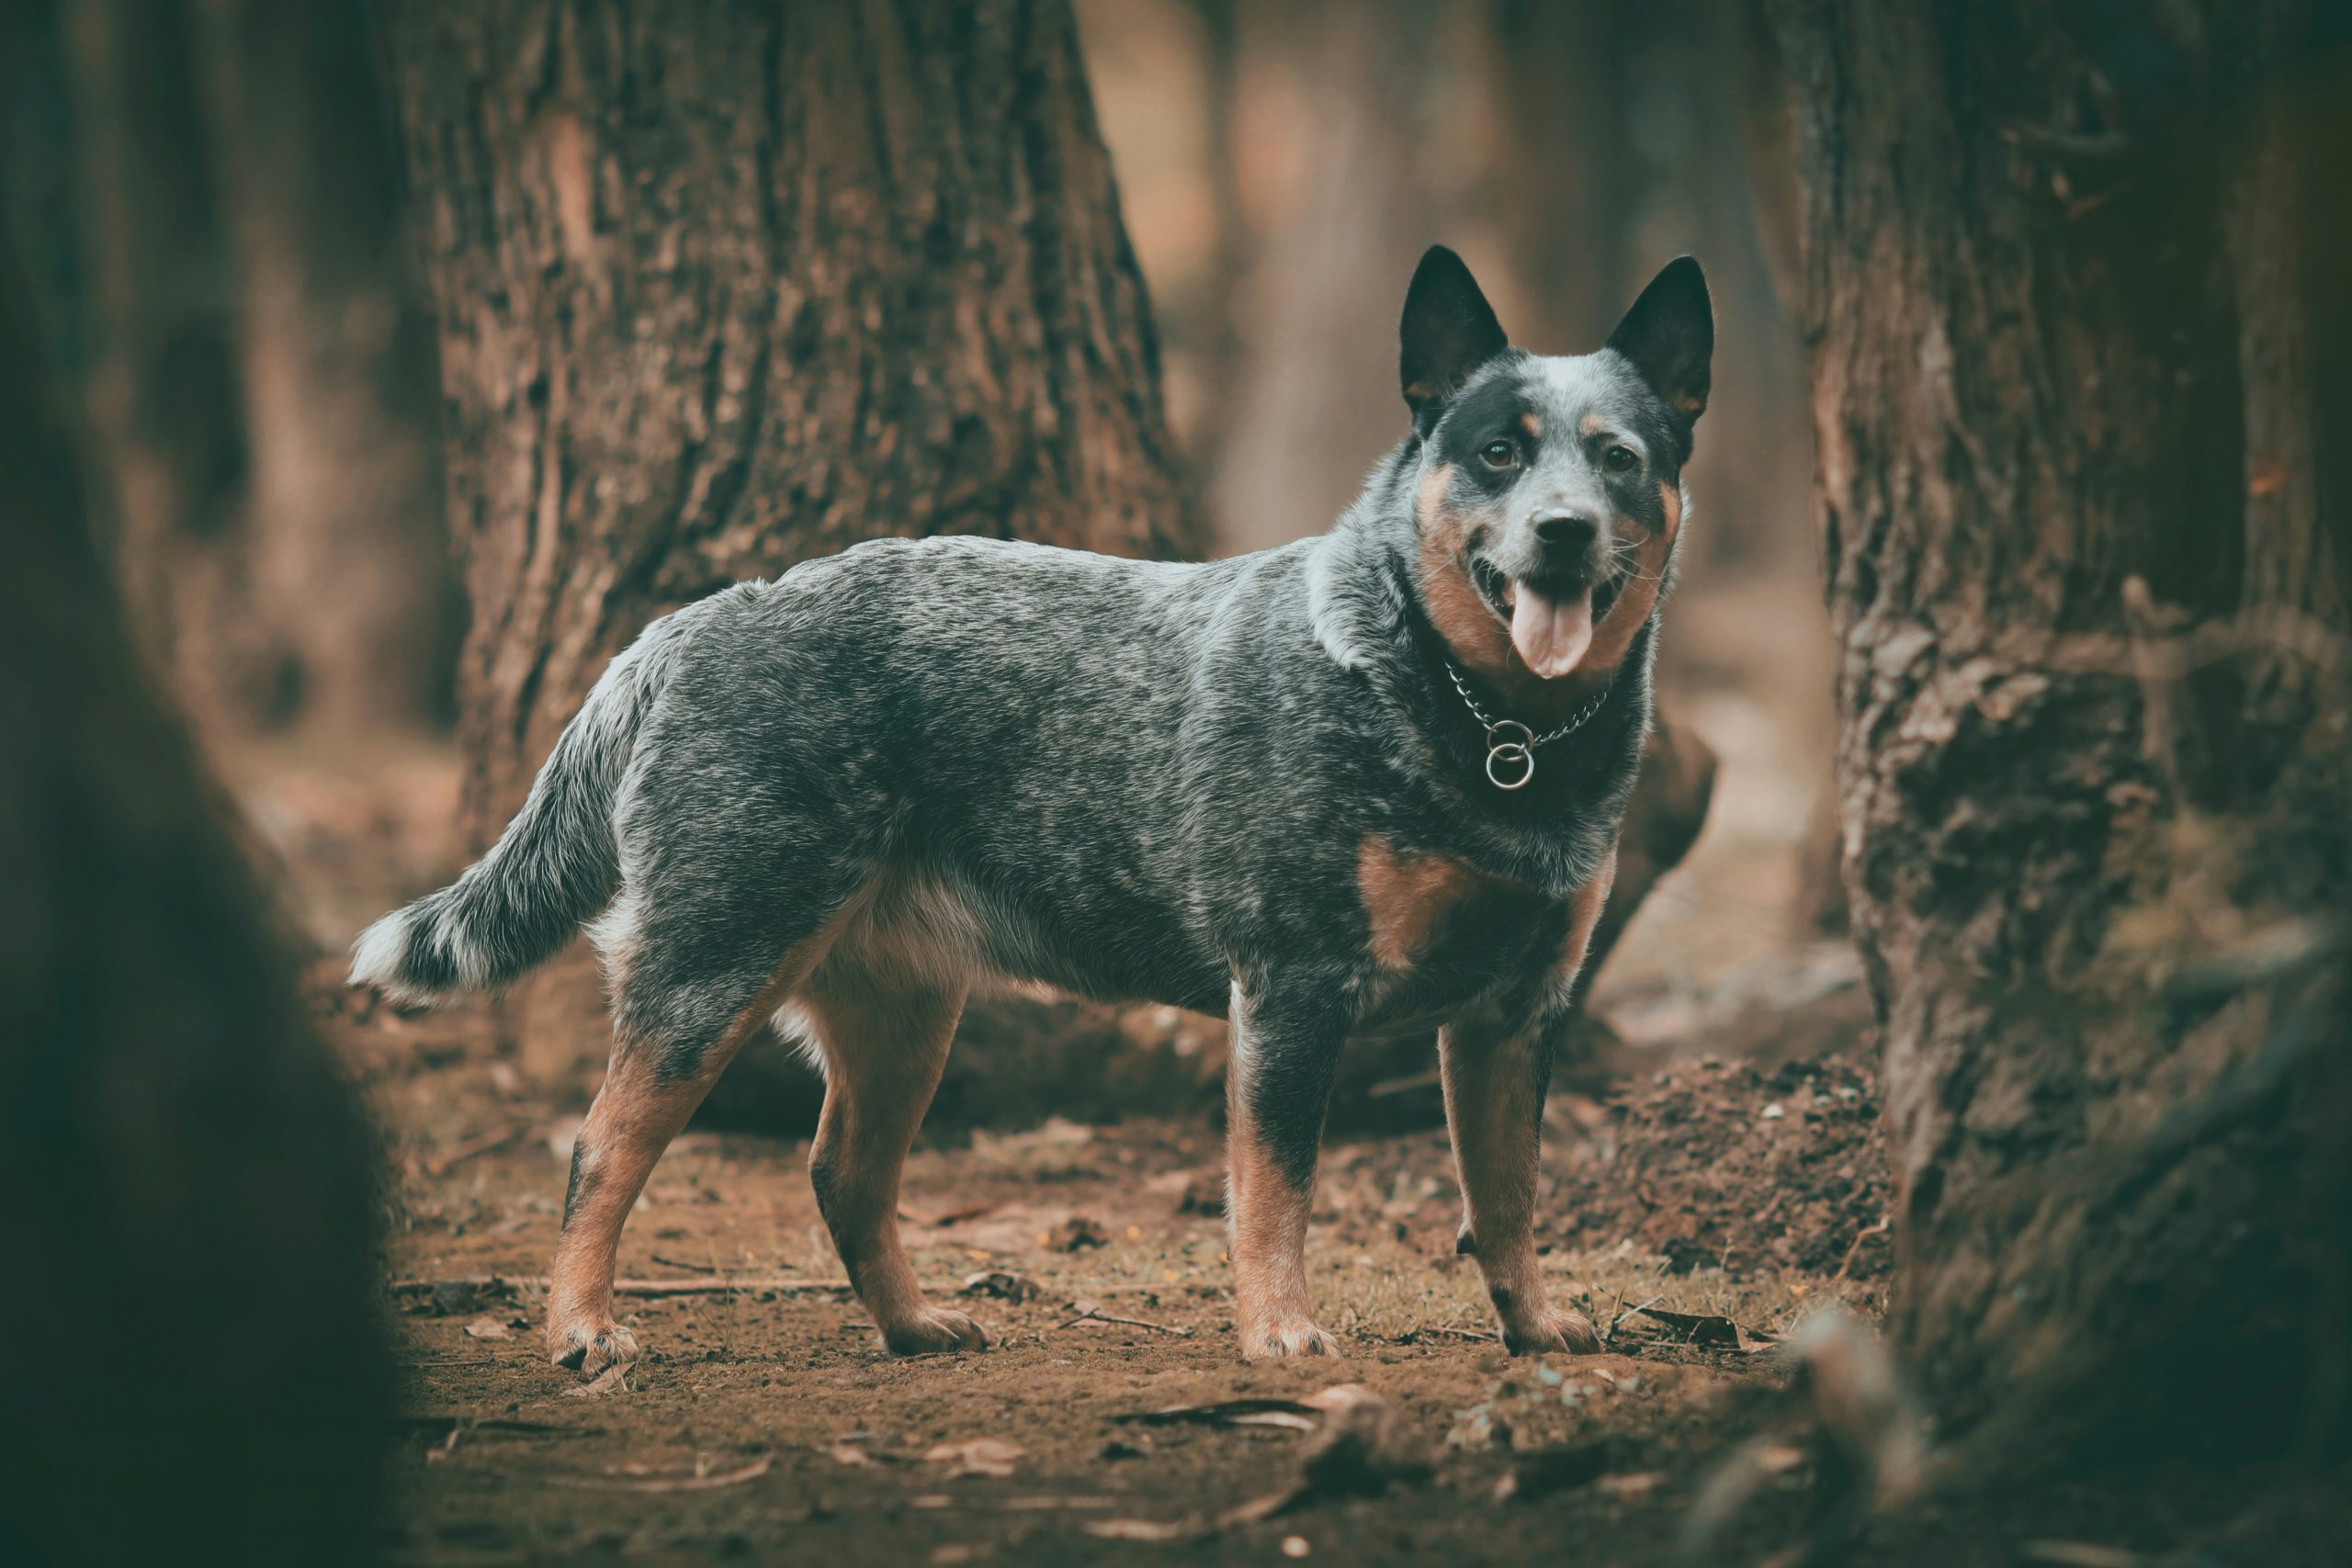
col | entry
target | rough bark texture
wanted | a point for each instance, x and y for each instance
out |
(725, 288)
(193, 1188)
(2076, 278)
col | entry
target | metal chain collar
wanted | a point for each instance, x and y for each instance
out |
(1516, 757)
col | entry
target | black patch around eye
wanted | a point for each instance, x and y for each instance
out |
(1482, 416)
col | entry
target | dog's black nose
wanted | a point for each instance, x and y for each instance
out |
(1566, 531)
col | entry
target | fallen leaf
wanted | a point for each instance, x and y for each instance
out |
(1548, 1471)
(1631, 1486)
(978, 1456)
(1002, 1283)
(1288, 1413)
(628, 1479)
(1136, 1529)
(1360, 1451)
(488, 1328)
(1076, 1233)
(612, 1380)
(1709, 1328)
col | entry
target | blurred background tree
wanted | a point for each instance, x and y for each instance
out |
(225, 273)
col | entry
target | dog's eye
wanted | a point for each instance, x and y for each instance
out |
(1620, 459)
(1498, 454)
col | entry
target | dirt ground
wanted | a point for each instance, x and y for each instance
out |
(764, 1422)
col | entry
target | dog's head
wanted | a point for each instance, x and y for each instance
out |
(1542, 478)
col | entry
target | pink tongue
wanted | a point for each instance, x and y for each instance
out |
(1551, 634)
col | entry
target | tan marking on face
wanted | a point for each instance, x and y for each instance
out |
(1476, 639)
(1593, 426)
(1532, 422)
(1406, 899)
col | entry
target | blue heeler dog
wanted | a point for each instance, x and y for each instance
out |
(1366, 781)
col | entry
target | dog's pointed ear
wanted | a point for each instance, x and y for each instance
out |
(1669, 335)
(1449, 331)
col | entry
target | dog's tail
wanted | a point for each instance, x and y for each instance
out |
(557, 864)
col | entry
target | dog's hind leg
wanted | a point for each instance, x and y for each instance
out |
(884, 1036)
(1496, 1070)
(690, 989)
(1278, 1085)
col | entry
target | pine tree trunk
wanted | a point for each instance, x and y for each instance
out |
(2076, 283)
(727, 288)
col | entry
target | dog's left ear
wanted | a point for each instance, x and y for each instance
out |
(1669, 335)
(1449, 331)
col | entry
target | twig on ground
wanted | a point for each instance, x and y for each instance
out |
(1091, 1312)
(1884, 1224)
(698, 1482)
(682, 1263)
(439, 1164)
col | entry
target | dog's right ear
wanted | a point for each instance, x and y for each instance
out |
(1449, 331)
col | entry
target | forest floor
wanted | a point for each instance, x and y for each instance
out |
(1695, 1213)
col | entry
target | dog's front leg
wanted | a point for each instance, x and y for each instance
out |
(1277, 1087)
(1497, 1065)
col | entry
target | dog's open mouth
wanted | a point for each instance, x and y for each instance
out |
(1550, 618)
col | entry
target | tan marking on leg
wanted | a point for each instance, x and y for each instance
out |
(1266, 1232)
(1613, 637)
(885, 1034)
(633, 1119)
(1584, 912)
(1669, 809)
(1493, 1110)
(1408, 897)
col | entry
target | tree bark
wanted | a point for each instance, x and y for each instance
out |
(260, 373)
(192, 1236)
(2075, 277)
(725, 289)
(166, 394)
(349, 554)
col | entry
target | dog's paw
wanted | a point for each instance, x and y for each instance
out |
(1286, 1337)
(590, 1345)
(933, 1331)
(1568, 1332)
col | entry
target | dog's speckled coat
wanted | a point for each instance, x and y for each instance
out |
(1247, 787)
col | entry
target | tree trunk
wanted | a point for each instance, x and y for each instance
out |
(350, 556)
(192, 1230)
(2081, 314)
(166, 395)
(725, 289)
(260, 372)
